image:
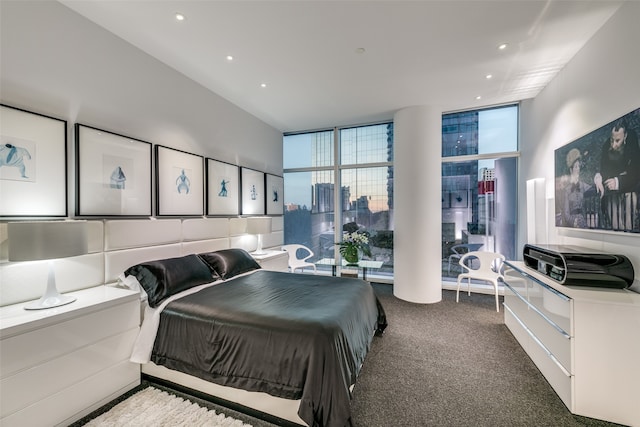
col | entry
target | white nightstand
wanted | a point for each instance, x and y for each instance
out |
(273, 260)
(60, 364)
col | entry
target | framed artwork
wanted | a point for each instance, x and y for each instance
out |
(274, 194)
(179, 182)
(33, 164)
(223, 188)
(113, 174)
(446, 199)
(252, 192)
(597, 178)
(458, 199)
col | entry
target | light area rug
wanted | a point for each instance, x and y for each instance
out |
(153, 407)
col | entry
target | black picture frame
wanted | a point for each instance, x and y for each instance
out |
(179, 182)
(33, 164)
(223, 188)
(274, 194)
(252, 193)
(113, 174)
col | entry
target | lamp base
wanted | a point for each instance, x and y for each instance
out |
(51, 298)
(49, 302)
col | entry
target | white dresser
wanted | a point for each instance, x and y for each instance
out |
(58, 365)
(585, 341)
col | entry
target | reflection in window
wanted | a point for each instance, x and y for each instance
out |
(487, 131)
(478, 196)
(366, 196)
(365, 199)
(309, 211)
(313, 149)
(366, 144)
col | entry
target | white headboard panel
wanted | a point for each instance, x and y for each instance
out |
(95, 236)
(204, 229)
(124, 234)
(277, 223)
(237, 226)
(117, 244)
(201, 246)
(116, 262)
(272, 240)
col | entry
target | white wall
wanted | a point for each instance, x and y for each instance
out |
(55, 62)
(599, 85)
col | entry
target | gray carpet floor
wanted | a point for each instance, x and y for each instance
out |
(453, 364)
(445, 364)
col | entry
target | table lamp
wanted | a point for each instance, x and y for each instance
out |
(259, 225)
(39, 240)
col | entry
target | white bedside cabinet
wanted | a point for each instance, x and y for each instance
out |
(60, 364)
(585, 341)
(273, 260)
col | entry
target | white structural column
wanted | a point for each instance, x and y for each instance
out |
(417, 193)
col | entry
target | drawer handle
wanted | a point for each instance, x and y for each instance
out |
(534, 308)
(544, 285)
(537, 341)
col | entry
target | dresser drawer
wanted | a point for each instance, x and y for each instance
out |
(553, 305)
(63, 372)
(552, 337)
(72, 403)
(39, 346)
(558, 377)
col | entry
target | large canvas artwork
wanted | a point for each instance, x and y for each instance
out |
(33, 164)
(597, 178)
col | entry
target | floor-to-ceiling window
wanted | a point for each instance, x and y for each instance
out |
(479, 183)
(342, 179)
(316, 214)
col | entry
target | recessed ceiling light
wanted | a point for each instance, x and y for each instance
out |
(179, 17)
(263, 85)
(229, 58)
(489, 76)
(503, 46)
(478, 97)
(360, 50)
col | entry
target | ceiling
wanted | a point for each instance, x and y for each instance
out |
(334, 63)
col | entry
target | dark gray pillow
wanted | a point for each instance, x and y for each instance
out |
(166, 277)
(227, 263)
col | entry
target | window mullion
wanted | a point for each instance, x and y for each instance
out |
(337, 193)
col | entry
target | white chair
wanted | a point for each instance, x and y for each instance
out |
(460, 250)
(299, 261)
(489, 270)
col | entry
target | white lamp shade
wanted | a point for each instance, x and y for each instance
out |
(38, 240)
(259, 225)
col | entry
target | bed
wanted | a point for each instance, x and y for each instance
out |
(219, 318)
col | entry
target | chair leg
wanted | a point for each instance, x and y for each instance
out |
(495, 286)
(458, 290)
(469, 286)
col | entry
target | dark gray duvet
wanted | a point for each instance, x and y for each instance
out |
(290, 335)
